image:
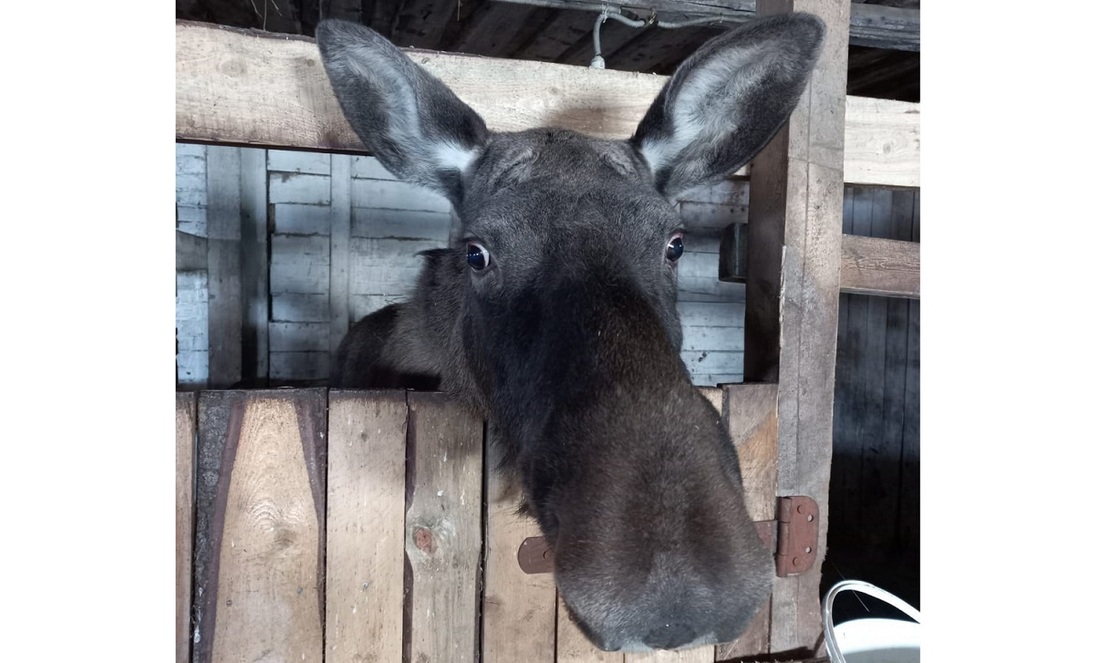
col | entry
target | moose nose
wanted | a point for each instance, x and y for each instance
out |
(669, 636)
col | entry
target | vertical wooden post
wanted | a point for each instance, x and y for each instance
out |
(185, 519)
(795, 205)
(442, 529)
(254, 256)
(339, 252)
(365, 551)
(259, 528)
(223, 224)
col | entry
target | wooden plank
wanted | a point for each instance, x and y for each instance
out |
(872, 25)
(400, 224)
(300, 264)
(882, 142)
(297, 219)
(299, 336)
(885, 267)
(387, 194)
(365, 552)
(299, 308)
(909, 525)
(254, 265)
(300, 366)
(518, 610)
(365, 167)
(751, 413)
(192, 330)
(694, 655)
(287, 161)
(795, 216)
(242, 87)
(339, 252)
(190, 252)
(720, 339)
(711, 314)
(302, 189)
(443, 529)
(186, 412)
(259, 535)
(226, 316)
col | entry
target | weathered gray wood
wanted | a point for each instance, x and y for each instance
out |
(299, 336)
(226, 317)
(797, 186)
(303, 189)
(729, 339)
(299, 265)
(872, 25)
(299, 366)
(340, 249)
(190, 252)
(296, 219)
(192, 330)
(443, 529)
(386, 194)
(875, 266)
(400, 224)
(254, 264)
(364, 167)
(365, 552)
(260, 506)
(241, 87)
(709, 314)
(300, 308)
(288, 161)
(518, 610)
(186, 416)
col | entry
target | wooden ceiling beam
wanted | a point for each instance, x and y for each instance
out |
(875, 26)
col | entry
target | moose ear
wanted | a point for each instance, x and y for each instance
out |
(407, 118)
(725, 102)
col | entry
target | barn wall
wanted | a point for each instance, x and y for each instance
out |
(342, 238)
(874, 492)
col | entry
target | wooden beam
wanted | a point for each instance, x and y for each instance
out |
(873, 266)
(792, 296)
(185, 519)
(244, 87)
(876, 26)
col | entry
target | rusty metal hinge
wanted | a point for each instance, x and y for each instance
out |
(796, 547)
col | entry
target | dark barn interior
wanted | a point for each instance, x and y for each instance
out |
(874, 531)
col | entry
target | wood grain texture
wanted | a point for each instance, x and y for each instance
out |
(874, 266)
(365, 542)
(259, 538)
(797, 186)
(751, 413)
(226, 316)
(518, 610)
(340, 250)
(442, 529)
(694, 655)
(247, 87)
(185, 519)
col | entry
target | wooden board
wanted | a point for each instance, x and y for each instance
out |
(442, 529)
(694, 655)
(340, 250)
(792, 293)
(226, 316)
(518, 610)
(259, 536)
(185, 519)
(247, 87)
(874, 266)
(574, 647)
(365, 539)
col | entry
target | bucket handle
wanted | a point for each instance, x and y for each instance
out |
(831, 647)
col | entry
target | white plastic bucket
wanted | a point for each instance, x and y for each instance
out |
(871, 640)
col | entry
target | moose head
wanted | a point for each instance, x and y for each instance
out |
(555, 315)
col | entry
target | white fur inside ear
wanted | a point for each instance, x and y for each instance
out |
(707, 105)
(451, 156)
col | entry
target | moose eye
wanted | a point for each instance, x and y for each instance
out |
(477, 256)
(675, 247)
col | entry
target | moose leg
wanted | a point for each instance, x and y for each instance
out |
(367, 357)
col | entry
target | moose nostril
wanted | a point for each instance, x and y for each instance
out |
(669, 636)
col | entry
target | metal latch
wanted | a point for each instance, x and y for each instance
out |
(796, 547)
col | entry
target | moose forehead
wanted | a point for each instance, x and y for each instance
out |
(542, 183)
